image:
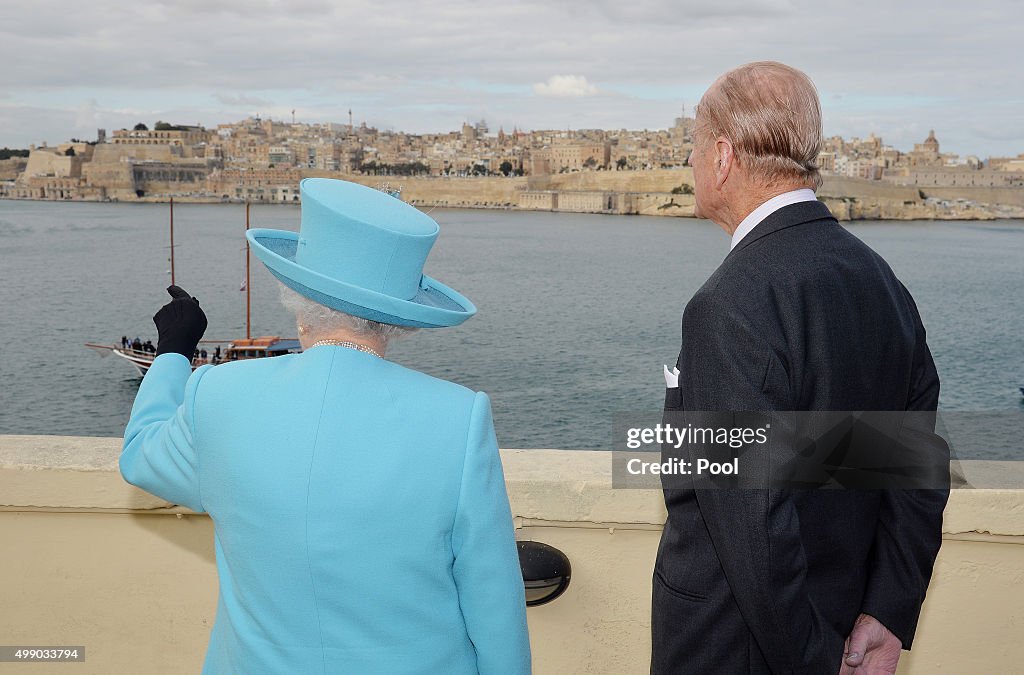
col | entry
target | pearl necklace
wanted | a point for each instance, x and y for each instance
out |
(346, 343)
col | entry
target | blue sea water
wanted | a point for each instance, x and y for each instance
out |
(577, 312)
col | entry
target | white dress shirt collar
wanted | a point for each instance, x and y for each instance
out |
(767, 209)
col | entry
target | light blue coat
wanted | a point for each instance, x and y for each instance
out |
(361, 519)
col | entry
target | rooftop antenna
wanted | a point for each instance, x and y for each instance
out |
(293, 115)
(350, 120)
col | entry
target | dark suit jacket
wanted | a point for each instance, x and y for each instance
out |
(801, 315)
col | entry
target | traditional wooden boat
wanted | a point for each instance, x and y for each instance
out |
(236, 350)
(141, 356)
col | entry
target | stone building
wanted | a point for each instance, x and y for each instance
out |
(52, 173)
(586, 202)
(629, 152)
(827, 162)
(1006, 163)
(255, 185)
(280, 155)
(960, 176)
(927, 153)
(538, 200)
(169, 178)
(183, 136)
(572, 156)
(575, 201)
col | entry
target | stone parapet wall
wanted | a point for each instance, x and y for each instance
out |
(91, 560)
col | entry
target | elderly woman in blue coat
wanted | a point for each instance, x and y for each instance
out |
(361, 520)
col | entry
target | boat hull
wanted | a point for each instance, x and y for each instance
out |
(238, 350)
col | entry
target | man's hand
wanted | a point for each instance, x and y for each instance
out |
(871, 649)
(180, 324)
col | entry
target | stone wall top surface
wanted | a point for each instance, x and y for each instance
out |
(563, 486)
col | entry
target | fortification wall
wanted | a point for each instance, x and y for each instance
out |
(115, 176)
(110, 153)
(49, 163)
(480, 192)
(629, 192)
(1011, 196)
(11, 168)
(842, 186)
(656, 180)
(879, 191)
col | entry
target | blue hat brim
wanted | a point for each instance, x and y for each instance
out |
(434, 305)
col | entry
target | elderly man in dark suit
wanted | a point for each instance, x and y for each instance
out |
(800, 316)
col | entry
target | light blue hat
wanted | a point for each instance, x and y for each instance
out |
(361, 251)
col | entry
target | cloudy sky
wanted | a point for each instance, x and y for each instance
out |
(893, 67)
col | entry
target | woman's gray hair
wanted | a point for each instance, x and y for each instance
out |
(319, 320)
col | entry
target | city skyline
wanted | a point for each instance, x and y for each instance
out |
(492, 132)
(420, 68)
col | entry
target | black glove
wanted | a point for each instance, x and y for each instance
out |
(180, 324)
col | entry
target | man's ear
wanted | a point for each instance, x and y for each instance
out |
(724, 160)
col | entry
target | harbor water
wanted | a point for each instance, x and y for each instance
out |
(577, 312)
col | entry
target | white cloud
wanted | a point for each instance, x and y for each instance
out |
(565, 86)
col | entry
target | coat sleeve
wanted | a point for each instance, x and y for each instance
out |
(159, 453)
(726, 367)
(486, 567)
(910, 521)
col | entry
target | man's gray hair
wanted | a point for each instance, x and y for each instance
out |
(771, 114)
(320, 321)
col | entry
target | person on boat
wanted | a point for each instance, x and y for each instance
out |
(360, 513)
(137, 344)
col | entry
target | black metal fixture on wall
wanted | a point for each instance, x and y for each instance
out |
(546, 572)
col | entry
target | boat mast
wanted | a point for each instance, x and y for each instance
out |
(172, 241)
(248, 282)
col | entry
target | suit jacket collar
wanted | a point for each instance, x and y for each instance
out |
(787, 216)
